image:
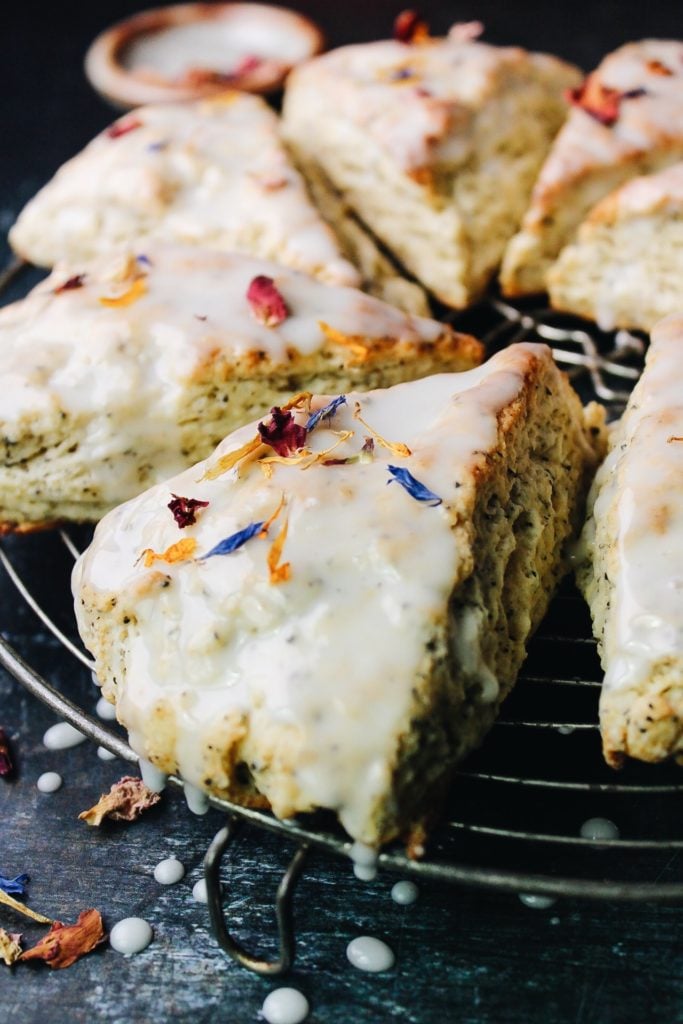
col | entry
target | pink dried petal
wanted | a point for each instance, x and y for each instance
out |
(266, 302)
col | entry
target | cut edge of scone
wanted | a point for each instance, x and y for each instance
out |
(514, 509)
(625, 120)
(50, 472)
(626, 267)
(629, 566)
(448, 215)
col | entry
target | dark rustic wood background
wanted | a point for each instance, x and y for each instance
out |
(462, 955)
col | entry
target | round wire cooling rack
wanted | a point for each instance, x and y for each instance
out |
(535, 810)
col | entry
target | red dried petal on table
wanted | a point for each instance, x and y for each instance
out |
(126, 801)
(6, 766)
(119, 128)
(282, 432)
(266, 302)
(65, 944)
(184, 510)
(410, 27)
(71, 283)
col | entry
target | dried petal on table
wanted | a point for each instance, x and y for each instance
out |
(10, 946)
(6, 766)
(64, 944)
(126, 801)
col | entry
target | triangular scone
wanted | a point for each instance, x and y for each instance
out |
(118, 373)
(337, 625)
(626, 267)
(213, 173)
(632, 570)
(627, 119)
(435, 146)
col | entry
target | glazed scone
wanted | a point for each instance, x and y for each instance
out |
(118, 373)
(434, 145)
(626, 267)
(213, 173)
(355, 639)
(632, 563)
(627, 119)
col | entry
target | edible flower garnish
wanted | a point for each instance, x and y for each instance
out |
(143, 260)
(10, 946)
(126, 801)
(655, 67)
(227, 462)
(601, 101)
(465, 31)
(6, 766)
(266, 303)
(122, 127)
(71, 283)
(326, 413)
(184, 510)
(395, 447)
(358, 345)
(364, 455)
(17, 885)
(279, 573)
(178, 552)
(673, 437)
(235, 540)
(414, 488)
(64, 944)
(282, 432)
(137, 289)
(21, 908)
(409, 27)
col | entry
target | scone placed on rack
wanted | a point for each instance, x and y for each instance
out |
(627, 119)
(118, 373)
(632, 563)
(434, 144)
(213, 173)
(337, 620)
(626, 267)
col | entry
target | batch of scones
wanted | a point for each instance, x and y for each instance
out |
(380, 541)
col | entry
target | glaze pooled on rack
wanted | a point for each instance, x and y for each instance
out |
(341, 621)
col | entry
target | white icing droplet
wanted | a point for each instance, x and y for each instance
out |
(197, 801)
(131, 935)
(599, 828)
(169, 871)
(49, 782)
(285, 1006)
(105, 710)
(199, 891)
(565, 730)
(404, 893)
(554, 920)
(104, 754)
(364, 861)
(370, 954)
(95, 680)
(62, 736)
(536, 901)
(152, 776)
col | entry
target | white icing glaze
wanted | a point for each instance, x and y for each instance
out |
(131, 935)
(49, 782)
(640, 487)
(565, 730)
(370, 954)
(199, 892)
(105, 755)
(644, 195)
(599, 828)
(106, 710)
(169, 871)
(204, 644)
(537, 902)
(197, 800)
(62, 736)
(152, 776)
(213, 173)
(404, 893)
(285, 1006)
(364, 861)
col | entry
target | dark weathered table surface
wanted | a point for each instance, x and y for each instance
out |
(462, 955)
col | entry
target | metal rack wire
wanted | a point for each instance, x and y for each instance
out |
(513, 819)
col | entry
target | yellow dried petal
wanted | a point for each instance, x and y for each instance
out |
(230, 460)
(302, 399)
(10, 950)
(269, 522)
(358, 345)
(279, 573)
(21, 908)
(395, 447)
(178, 552)
(131, 295)
(342, 435)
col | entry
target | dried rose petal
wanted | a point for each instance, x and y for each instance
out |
(125, 801)
(249, 63)
(409, 27)
(10, 946)
(6, 766)
(77, 281)
(184, 509)
(282, 432)
(119, 128)
(64, 944)
(267, 305)
(600, 101)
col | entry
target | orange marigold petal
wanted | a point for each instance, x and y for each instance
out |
(279, 573)
(178, 552)
(131, 295)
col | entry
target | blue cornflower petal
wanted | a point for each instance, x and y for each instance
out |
(14, 886)
(414, 488)
(234, 541)
(326, 412)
